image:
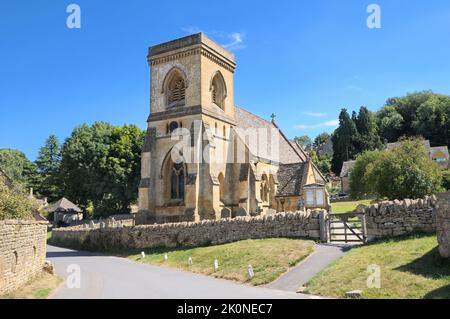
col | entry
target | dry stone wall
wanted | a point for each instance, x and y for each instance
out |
(443, 224)
(22, 252)
(207, 232)
(398, 218)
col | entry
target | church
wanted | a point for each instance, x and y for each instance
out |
(206, 158)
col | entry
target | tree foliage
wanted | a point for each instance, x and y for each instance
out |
(323, 163)
(18, 168)
(48, 165)
(101, 165)
(321, 138)
(423, 113)
(344, 141)
(304, 141)
(404, 172)
(13, 203)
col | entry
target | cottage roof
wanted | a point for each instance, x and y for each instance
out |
(291, 178)
(64, 205)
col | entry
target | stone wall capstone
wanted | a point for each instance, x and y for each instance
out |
(22, 252)
(207, 232)
(443, 224)
(398, 218)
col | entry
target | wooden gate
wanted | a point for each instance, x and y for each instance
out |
(347, 228)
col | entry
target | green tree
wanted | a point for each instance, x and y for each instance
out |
(367, 138)
(18, 168)
(424, 114)
(101, 167)
(323, 163)
(362, 180)
(390, 124)
(304, 141)
(322, 138)
(123, 168)
(343, 141)
(406, 172)
(83, 163)
(14, 204)
(48, 165)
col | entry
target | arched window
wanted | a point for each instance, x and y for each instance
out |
(177, 182)
(218, 90)
(173, 126)
(175, 88)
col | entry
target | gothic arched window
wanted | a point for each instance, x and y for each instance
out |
(175, 88)
(218, 90)
(177, 182)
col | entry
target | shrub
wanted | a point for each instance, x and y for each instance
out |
(14, 204)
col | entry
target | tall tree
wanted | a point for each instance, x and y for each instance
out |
(48, 165)
(101, 165)
(343, 141)
(367, 138)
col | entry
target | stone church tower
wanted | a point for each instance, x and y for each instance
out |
(216, 172)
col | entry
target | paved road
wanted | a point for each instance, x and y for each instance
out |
(323, 255)
(107, 277)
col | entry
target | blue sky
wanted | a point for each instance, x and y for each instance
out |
(303, 60)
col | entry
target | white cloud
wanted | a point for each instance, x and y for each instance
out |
(315, 114)
(231, 41)
(237, 41)
(332, 123)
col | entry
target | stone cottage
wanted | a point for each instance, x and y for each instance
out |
(206, 158)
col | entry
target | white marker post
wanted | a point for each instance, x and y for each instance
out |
(166, 257)
(216, 265)
(250, 271)
(190, 261)
(142, 255)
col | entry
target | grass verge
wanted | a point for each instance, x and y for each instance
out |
(346, 207)
(269, 258)
(39, 288)
(411, 268)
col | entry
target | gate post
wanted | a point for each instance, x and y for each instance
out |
(364, 228)
(324, 226)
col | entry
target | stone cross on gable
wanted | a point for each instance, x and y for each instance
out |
(273, 116)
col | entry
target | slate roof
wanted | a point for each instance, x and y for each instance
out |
(346, 168)
(63, 205)
(287, 152)
(290, 178)
(391, 146)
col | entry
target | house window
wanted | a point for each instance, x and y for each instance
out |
(319, 197)
(177, 182)
(310, 198)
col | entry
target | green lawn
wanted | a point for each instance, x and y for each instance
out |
(410, 268)
(346, 207)
(269, 258)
